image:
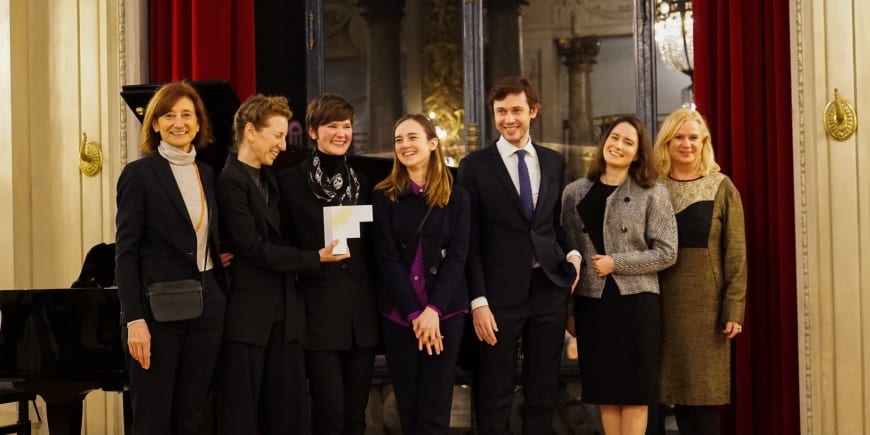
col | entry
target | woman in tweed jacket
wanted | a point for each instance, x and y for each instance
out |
(705, 292)
(623, 224)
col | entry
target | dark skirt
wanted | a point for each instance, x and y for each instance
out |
(618, 343)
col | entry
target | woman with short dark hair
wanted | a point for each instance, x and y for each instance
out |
(340, 302)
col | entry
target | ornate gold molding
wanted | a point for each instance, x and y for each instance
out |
(122, 77)
(804, 225)
(442, 75)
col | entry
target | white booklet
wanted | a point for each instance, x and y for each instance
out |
(342, 222)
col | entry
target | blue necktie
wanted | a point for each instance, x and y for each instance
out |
(525, 184)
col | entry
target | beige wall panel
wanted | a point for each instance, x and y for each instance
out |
(7, 229)
(103, 414)
(861, 38)
(93, 115)
(843, 184)
(15, 149)
(110, 40)
(55, 133)
(830, 43)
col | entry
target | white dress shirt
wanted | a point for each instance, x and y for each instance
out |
(510, 158)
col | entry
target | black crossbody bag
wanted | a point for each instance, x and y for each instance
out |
(177, 300)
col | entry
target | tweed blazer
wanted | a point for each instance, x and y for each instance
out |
(640, 233)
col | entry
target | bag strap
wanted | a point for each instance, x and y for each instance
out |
(207, 246)
(419, 228)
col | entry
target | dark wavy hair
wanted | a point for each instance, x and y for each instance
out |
(642, 170)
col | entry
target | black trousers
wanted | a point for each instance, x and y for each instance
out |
(540, 323)
(423, 383)
(262, 390)
(170, 397)
(339, 383)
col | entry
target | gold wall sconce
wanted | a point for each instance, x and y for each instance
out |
(840, 118)
(90, 156)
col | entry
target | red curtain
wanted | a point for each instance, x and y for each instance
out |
(743, 88)
(203, 40)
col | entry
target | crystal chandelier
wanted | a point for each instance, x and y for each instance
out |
(673, 33)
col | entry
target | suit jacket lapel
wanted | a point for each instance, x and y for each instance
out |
(272, 215)
(504, 176)
(164, 175)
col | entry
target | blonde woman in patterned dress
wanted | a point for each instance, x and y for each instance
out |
(704, 294)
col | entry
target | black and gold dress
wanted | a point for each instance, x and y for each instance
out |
(705, 289)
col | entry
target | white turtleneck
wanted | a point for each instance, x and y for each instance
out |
(181, 164)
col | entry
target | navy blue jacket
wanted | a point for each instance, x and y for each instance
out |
(445, 237)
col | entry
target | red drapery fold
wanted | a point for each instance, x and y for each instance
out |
(742, 87)
(203, 40)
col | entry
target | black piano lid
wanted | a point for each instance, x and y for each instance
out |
(61, 334)
(220, 102)
(218, 96)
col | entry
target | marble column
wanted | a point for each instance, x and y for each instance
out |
(504, 50)
(384, 20)
(578, 54)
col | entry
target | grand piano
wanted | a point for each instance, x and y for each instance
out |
(61, 344)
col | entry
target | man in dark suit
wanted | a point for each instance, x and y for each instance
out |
(262, 368)
(519, 274)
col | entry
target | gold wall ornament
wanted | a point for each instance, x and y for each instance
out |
(90, 156)
(840, 118)
(442, 75)
(473, 137)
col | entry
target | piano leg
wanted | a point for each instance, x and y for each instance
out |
(64, 418)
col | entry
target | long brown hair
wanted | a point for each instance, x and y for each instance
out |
(161, 103)
(643, 169)
(440, 183)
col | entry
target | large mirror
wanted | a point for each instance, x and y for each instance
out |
(592, 60)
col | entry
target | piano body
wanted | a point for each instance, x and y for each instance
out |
(62, 344)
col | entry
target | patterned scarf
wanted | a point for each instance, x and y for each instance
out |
(334, 189)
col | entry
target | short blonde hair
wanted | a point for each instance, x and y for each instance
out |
(670, 127)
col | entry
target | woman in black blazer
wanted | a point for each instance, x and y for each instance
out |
(421, 243)
(167, 230)
(262, 370)
(340, 302)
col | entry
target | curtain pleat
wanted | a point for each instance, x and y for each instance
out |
(742, 87)
(203, 40)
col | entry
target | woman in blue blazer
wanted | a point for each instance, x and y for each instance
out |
(422, 230)
(167, 230)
